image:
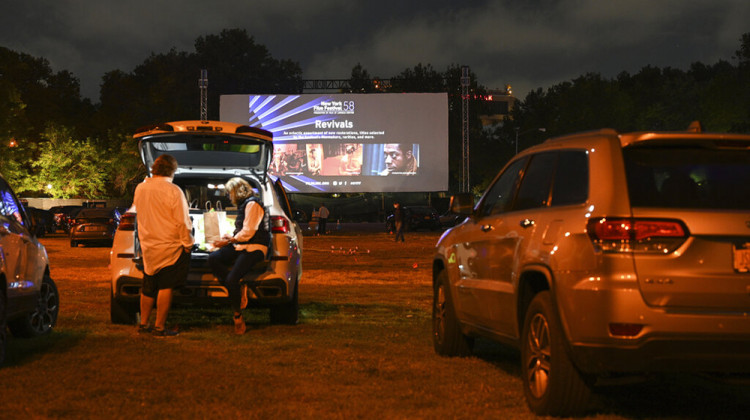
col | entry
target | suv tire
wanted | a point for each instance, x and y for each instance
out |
(287, 313)
(446, 331)
(553, 386)
(44, 317)
(122, 312)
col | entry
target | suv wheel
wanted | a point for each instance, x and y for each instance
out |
(44, 317)
(122, 312)
(446, 332)
(552, 385)
(287, 313)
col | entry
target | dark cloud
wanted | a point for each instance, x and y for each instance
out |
(529, 44)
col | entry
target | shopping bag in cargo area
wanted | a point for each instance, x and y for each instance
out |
(214, 222)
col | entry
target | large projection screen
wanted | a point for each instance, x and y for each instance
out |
(390, 142)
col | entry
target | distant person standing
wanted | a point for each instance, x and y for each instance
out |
(164, 232)
(322, 219)
(398, 221)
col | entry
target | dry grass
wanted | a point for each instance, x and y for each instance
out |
(362, 350)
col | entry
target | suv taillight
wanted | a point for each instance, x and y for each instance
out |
(127, 222)
(658, 236)
(279, 224)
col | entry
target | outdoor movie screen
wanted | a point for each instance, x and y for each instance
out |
(390, 142)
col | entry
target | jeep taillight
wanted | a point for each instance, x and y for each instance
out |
(658, 236)
(127, 222)
(279, 224)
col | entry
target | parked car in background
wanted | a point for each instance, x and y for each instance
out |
(43, 221)
(29, 302)
(64, 216)
(94, 225)
(209, 154)
(604, 255)
(415, 218)
(450, 219)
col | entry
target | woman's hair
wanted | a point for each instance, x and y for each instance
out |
(239, 190)
(164, 165)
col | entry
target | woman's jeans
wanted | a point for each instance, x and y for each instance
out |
(230, 275)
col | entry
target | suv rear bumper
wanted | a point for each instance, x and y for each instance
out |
(704, 354)
(267, 291)
(668, 340)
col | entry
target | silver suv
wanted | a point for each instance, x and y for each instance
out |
(29, 302)
(209, 153)
(604, 254)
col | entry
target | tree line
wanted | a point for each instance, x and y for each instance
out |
(55, 143)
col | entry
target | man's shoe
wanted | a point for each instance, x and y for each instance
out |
(243, 296)
(163, 332)
(144, 329)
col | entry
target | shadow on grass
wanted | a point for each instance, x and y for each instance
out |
(22, 351)
(503, 357)
(208, 316)
(678, 395)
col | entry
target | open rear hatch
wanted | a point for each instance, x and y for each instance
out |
(209, 155)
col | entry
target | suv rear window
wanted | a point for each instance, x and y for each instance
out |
(688, 177)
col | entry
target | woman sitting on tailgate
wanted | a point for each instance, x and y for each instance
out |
(239, 252)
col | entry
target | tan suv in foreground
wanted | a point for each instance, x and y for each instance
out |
(603, 254)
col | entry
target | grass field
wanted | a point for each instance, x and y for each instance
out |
(362, 350)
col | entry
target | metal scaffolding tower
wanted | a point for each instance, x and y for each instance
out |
(465, 82)
(203, 85)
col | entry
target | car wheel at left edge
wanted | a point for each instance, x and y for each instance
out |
(44, 317)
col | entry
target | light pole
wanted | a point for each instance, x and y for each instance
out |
(542, 130)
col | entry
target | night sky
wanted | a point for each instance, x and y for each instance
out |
(525, 43)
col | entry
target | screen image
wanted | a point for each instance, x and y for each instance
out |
(391, 142)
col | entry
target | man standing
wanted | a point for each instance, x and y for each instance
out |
(164, 232)
(322, 219)
(398, 221)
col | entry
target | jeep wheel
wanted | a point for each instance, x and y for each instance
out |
(552, 385)
(122, 312)
(447, 337)
(44, 317)
(287, 313)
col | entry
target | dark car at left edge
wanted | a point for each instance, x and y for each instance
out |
(29, 301)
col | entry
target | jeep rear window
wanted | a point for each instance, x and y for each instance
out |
(688, 177)
(201, 151)
(213, 146)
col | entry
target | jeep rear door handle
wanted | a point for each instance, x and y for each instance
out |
(525, 223)
(486, 228)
